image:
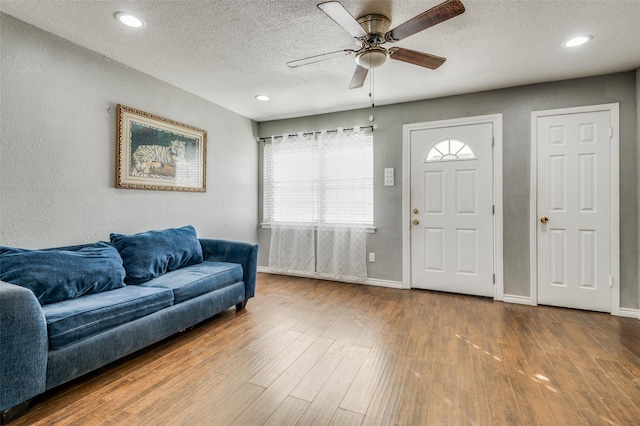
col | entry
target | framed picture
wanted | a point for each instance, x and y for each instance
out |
(157, 153)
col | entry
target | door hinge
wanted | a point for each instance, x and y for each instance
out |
(494, 278)
(611, 282)
(493, 141)
(610, 132)
(493, 210)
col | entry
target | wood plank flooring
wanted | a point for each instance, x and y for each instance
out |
(311, 352)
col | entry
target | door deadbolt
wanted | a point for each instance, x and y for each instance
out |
(416, 211)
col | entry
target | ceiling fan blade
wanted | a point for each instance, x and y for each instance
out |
(358, 77)
(431, 17)
(417, 58)
(342, 17)
(318, 58)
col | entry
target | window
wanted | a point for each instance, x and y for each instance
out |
(449, 149)
(319, 178)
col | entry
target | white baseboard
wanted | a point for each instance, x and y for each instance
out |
(525, 300)
(383, 283)
(507, 298)
(629, 313)
(366, 281)
(520, 300)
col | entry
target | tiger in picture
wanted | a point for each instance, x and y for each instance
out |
(157, 160)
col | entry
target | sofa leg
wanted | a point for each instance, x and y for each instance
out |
(10, 414)
(240, 306)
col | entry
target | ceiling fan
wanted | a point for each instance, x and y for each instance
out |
(371, 32)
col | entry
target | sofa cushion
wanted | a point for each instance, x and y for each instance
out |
(150, 254)
(63, 273)
(187, 283)
(72, 320)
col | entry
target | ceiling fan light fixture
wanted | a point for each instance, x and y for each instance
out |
(372, 58)
(577, 41)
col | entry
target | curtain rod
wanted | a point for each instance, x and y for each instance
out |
(372, 127)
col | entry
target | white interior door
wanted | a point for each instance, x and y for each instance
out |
(574, 199)
(451, 203)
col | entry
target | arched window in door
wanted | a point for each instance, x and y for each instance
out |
(449, 149)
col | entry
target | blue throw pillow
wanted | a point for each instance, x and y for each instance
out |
(150, 254)
(63, 273)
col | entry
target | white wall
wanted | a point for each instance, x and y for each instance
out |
(57, 151)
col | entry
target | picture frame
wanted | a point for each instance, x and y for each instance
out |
(156, 153)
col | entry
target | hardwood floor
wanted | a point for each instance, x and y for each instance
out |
(313, 352)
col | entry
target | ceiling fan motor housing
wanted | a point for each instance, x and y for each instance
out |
(372, 55)
(375, 25)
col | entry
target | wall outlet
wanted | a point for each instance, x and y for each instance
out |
(372, 257)
(388, 172)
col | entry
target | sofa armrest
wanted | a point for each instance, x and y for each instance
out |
(243, 253)
(23, 346)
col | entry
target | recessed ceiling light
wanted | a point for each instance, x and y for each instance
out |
(577, 41)
(262, 97)
(130, 20)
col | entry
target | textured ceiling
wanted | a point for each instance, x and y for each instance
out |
(228, 51)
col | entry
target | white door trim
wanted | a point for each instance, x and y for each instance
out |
(496, 120)
(614, 110)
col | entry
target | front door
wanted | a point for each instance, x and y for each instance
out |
(574, 198)
(451, 203)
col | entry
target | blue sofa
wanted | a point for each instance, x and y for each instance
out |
(70, 310)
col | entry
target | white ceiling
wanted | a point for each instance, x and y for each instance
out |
(228, 51)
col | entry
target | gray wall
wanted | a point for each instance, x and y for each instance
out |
(57, 158)
(516, 105)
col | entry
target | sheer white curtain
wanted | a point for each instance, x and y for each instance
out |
(319, 201)
(291, 166)
(345, 199)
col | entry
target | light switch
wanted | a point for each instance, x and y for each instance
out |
(388, 181)
(388, 172)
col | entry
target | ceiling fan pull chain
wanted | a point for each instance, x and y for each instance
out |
(372, 88)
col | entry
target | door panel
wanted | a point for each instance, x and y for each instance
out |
(467, 245)
(466, 192)
(588, 259)
(558, 257)
(434, 188)
(434, 249)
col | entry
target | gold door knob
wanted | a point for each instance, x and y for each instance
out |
(544, 219)
(416, 211)
(415, 221)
